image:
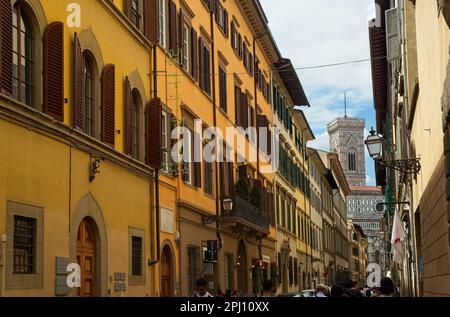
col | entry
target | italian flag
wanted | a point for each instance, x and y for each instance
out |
(398, 236)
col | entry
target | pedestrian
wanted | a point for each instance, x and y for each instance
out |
(219, 292)
(337, 291)
(267, 290)
(386, 287)
(201, 288)
(321, 291)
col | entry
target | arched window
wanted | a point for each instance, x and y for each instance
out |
(88, 94)
(136, 105)
(23, 58)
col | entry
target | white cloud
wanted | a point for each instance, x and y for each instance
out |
(318, 32)
(322, 142)
(327, 32)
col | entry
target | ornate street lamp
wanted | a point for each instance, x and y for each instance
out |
(374, 143)
(227, 204)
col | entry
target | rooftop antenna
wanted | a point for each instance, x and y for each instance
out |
(345, 103)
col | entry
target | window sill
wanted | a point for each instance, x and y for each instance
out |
(222, 31)
(191, 186)
(224, 113)
(209, 195)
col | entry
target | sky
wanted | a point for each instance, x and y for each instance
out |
(322, 32)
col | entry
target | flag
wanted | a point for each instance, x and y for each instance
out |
(398, 236)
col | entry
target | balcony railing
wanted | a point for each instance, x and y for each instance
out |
(243, 210)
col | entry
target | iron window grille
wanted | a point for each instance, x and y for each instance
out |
(24, 245)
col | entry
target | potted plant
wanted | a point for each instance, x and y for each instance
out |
(242, 189)
(255, 197)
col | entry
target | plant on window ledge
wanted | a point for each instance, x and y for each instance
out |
(255, 197)
(242, 189)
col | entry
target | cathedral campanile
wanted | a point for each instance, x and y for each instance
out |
(347, 140)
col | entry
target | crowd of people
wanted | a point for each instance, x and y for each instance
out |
(386, 289)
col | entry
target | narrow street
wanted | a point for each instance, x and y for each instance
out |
(224, 148)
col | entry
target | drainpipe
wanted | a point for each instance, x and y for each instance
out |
(213, 75)
(156, 228)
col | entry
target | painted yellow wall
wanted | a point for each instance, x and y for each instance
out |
(433, 40)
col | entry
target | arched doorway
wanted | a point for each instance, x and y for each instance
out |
(166, 273)
(86, 251)
(242, 269)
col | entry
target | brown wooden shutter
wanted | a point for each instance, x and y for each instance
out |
(181, 33)
(225, 22)
(198, 174)
(201, 70)
(222, 179)
(244, 53)
(194, 57)
(173, 27)
(108, 104)
(127, 8)
(78, 85)
(244, 110)
(151, 20)
(153, 115)
(233, 34)
(54, 71)
(213, 6)
(173, 142)
(208, 171)
(128, 118)
(240, 45)
(6, 56)
(231, 179)
(237, 102)
(269, 142)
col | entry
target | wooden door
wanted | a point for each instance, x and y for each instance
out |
(86, 258)
(166, 268)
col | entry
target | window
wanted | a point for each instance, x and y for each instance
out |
(352, 161)
(205, 67)
(135, 16)
(193, 268)
(208, 175)
(136, 256)
(229, 271)
(88, 95)
(188, 157)
(166, 137)
(186, 47)
(283, 210)
(219, 17)
(223, 88)
(278, 205)
(288, 210)
(24, 245)
(23, 59)
(291, 271)
(162, 23)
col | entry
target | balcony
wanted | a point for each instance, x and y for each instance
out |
(246, 216)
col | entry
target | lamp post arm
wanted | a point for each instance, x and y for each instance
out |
(407, 166)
